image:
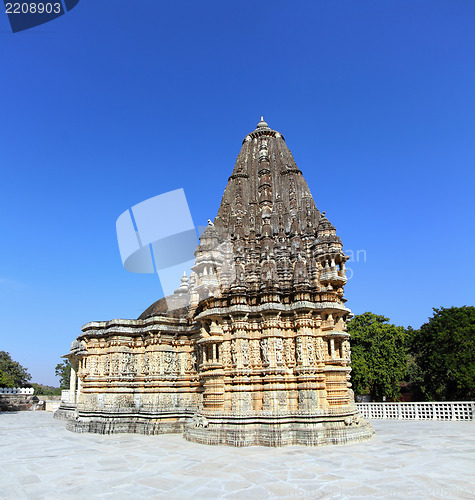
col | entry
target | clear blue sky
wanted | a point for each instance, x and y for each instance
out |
(118, 101)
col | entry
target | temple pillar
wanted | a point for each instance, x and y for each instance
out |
(78, 392)
(72, 383)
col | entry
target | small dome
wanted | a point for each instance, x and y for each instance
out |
(173, 306)
(262, 123)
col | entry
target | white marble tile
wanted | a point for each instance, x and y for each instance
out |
(39, 459)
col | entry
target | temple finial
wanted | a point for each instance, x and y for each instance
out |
(262, 123)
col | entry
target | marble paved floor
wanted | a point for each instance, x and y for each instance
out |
(39, 458)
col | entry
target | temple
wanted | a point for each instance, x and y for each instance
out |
(252, 348)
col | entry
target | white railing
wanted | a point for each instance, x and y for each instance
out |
(17, 390)
(447, 410)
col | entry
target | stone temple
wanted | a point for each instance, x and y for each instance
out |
(252, 348)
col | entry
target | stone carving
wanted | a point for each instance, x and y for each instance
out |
(299, 350)
(352, 395)
(124, 400)
(180, 362)
(191, 362)
(166, 400)
(279, 351)
(247, 402)
(319, 349)
(200, 421)
(346, 350)
(115, 364)
(265, 350)
(93, 368)
(170, 362)
(255, 353)
(146, 363)
(289, 352)
(282, 398)
(226, 354)
(235, 353)
(310, 351)
(266, 401)
(245, 352)
(154, 362)
(101, 362)
(126, 364)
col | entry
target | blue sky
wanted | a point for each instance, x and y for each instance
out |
(116, 102)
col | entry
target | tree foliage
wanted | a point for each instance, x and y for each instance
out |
(444, 350)
(378, 353)
(63, 371)
(12, 374)
(45, 390)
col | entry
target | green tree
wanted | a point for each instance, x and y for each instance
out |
(12, 374)
(6, 380)
(444, 351)
(45, 390)
(63, 371)
(378, 356)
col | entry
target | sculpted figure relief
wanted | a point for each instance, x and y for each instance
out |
(246, 401)
(170, 362)
(310, 351)
(289, 352)
(245, 352)
(234, 352)
(282, 398)
(225, 354)
(93, 365)
(265, 350)
(115, 364)
(124, 364)
(255, 353)
(346, 350)
(101, 365)
(155, 362)
(299, 350)
(146, 363)
(320, 349)
(266, 400)
(131, 363)
(279, 351)
(190, 362)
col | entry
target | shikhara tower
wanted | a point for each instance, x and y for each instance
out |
(252, 348)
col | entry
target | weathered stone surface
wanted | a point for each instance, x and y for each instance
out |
(252, 348)
(20, 402)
